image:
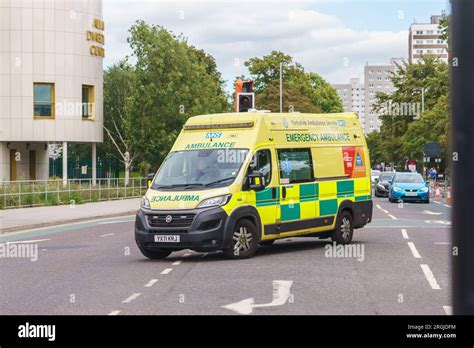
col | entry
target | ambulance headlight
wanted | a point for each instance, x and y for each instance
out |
(145, 203)
(214, 202)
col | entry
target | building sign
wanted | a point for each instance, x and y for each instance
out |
(97, 37)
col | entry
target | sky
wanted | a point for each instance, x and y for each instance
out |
(334, 38)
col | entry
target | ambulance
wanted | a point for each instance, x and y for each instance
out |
(235, 181)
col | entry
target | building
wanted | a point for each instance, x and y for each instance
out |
(377, 79)
(352, 96)
(424, 40)
(51, 82)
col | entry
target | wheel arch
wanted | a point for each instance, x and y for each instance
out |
(245, 212)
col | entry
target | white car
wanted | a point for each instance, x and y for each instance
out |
(374, 176)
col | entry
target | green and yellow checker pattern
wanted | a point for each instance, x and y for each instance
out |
(310, 200)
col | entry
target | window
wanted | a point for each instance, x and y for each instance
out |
(87, 102)
(262, 162)
(43, 100)
(429, 32)
(419, 32)
(295, 165)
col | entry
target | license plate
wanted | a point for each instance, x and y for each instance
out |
(166, 239)
(411, 194)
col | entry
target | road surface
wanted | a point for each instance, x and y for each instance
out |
(95, 268)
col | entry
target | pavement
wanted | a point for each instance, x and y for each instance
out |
(94, 267)
(26, 218)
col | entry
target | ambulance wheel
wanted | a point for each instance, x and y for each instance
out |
(244, 240)
(155, 254)
(267, 242)
(344, 228)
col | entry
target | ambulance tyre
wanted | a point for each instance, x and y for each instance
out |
(344, 228)
(244, 240)
(155, 254)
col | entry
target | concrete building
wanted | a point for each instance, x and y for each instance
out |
(424, 40)
(352, 96)
(377, 79)
(51, 82)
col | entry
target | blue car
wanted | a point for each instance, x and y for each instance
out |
(408, 187)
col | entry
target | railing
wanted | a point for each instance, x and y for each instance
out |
(33, 193)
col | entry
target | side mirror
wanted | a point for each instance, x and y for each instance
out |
(149, 179)
(256, 181)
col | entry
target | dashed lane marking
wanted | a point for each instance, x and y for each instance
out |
(151, 283)
(107, 235)
(405, 234)
(176, 263)
(415, 252)
(392, 217)
(114, 313)
(166, 271)
(430, 277)
(447, 206)
(131, 298)
(27, 241)
(448, 310)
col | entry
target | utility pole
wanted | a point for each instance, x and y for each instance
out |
(281, 87)
(462, 135)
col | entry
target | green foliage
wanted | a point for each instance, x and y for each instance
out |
(403, 136)
(309, 92)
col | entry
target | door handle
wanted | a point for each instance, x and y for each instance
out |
(283, 192)
(274, 193)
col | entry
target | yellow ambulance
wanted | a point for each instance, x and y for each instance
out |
(234, 181)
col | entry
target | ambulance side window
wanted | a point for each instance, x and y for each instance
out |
(296, 165)
(262, 162)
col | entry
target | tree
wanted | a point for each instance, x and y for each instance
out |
(311, 87)
(119, 82)
(173, 81)
(293, 100)
(430, 74)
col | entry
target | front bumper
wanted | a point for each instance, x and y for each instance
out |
(420, 196)
(204, 232)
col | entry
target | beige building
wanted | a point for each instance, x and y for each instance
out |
(51, 82)
(352, 96)
(424, 40)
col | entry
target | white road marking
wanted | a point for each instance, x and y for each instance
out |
(281, 293)
(436, 202)
(428, 212)
(27, 241)
(405, 234)
(447, 206)
(392, 217)
(114, 222)
(150, 283)
(448, 310)
(415, 252)
(430, 277)
(442, 243)
(176, 263)
(440, 222)
(114, 312)
(166, 271)
(131, 298)
(107, 235)
(378, 206)
(385, 211)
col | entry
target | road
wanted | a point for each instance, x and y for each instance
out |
(95, 268)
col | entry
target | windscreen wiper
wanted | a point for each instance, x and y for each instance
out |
(219, 181)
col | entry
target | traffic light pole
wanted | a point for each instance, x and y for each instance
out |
(462, 118)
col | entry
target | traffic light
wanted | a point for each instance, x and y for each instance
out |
(245, 98)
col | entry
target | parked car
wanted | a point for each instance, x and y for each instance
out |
(383, 185)
(408, 187)
(374, 175)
